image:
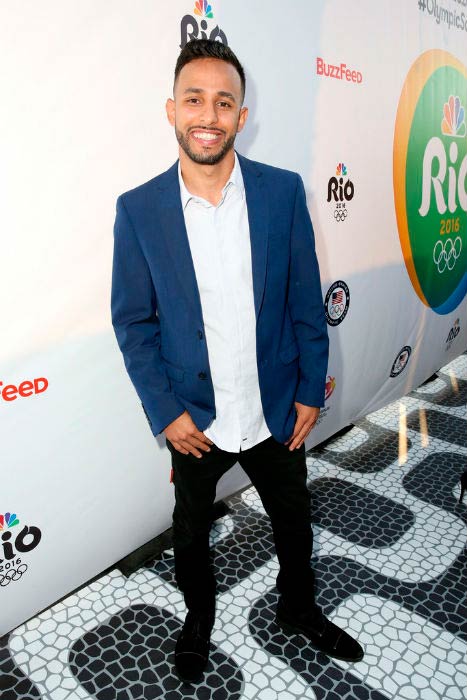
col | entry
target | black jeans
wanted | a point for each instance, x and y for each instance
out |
(279, 476)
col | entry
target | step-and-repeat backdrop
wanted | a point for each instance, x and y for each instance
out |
(367, 101)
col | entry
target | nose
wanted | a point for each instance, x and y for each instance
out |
(208, 116)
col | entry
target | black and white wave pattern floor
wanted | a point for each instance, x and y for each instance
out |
(390, 557)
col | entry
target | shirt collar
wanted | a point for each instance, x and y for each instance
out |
(235, 179)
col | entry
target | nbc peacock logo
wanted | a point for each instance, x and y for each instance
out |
(453, 123)
(430, 179)
(341, 170)
(14, 544)
(8, 520)
(203, 9)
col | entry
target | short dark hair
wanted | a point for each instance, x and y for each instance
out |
(207, 48)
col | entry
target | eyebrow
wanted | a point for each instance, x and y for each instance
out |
(220, 93)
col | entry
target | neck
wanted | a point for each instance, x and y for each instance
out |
(206, 181)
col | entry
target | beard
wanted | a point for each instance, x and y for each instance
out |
(204, 158)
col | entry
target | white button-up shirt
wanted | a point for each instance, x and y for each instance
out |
(219, 238)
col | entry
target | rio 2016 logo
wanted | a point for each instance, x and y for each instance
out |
(13, 546)
(192, 28)
(340, 192)
(430, 179)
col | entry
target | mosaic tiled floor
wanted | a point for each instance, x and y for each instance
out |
(390, 559)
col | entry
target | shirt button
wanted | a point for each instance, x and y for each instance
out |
(200, 335)
(202, 375)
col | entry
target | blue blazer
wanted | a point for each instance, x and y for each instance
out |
(156, 308)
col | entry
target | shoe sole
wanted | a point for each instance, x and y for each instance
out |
(290, 630)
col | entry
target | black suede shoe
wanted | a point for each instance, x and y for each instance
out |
(192, 647)
(322, 633)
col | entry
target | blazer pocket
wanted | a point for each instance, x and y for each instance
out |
(289, 353)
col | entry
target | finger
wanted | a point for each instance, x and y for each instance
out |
(298, 442)
(292, 437)
(300, 438)
(204, 438)
(185, 447)
(179, 447)
(196, 442)
(299, 425)
(191, 449)
(190, 441)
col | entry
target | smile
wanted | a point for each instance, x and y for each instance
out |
(205, 135)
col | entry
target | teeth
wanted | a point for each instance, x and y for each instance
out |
(205, 136)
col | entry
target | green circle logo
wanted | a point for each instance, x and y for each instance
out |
(430, 179)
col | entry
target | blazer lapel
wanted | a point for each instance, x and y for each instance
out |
(258, 218)
(173, 224)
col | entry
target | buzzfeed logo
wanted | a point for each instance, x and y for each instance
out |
(10, 392)
(340, 72)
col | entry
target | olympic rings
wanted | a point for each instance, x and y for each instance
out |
(340, 214)
(336, 310)
(445, 254)
(13, 575)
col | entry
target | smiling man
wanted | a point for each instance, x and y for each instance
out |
(217, 309)
(214, 142)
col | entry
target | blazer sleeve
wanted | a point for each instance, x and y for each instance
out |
(306, 307)
(136, 325)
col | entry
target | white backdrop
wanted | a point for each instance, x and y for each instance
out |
(82, 120)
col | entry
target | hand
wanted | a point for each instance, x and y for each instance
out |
(306, 419)
(185, 436)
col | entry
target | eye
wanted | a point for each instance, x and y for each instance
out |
(224, 104)
(193, 100)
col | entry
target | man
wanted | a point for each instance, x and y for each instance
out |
(217, 308)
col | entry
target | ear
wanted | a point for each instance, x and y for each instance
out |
(242, 117)
(170, 110)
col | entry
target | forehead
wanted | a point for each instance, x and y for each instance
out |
(209, 74)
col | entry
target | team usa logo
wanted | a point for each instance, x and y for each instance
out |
(192, 28)
(340, 192)
(453, 333)
(336, 303)
(400, 363)
(430, 179)
(13, 545)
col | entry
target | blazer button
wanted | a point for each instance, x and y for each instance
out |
(202, 375)
(200, 335)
